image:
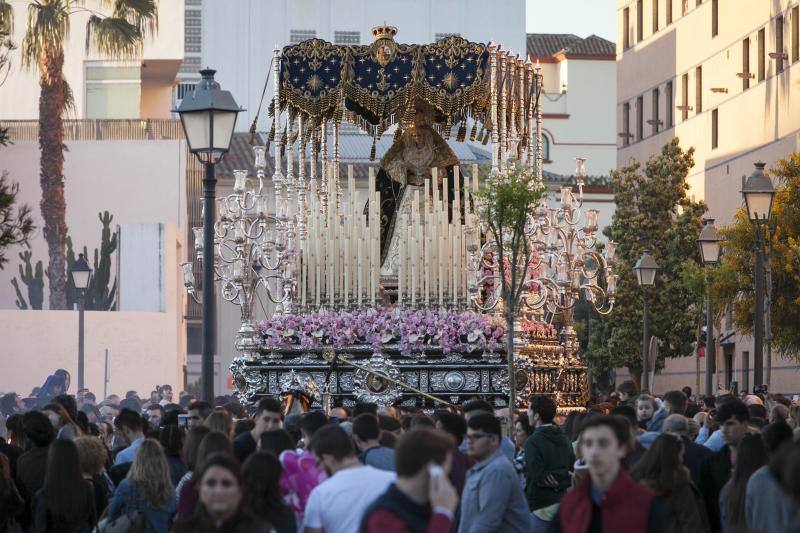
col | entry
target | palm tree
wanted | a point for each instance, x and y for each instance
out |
(118, 35)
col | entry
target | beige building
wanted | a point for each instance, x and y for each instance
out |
(102, 88)
(719, 75)
(125, 155)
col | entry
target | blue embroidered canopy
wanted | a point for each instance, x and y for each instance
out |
(380, 82)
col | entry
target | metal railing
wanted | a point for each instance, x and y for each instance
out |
(100, 129)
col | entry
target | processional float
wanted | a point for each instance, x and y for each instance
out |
(392, 296)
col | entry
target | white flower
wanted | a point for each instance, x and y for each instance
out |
(288, 333)
(474, 335)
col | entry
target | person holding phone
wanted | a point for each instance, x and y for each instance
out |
(422, 498)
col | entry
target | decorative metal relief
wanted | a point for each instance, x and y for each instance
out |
(370, 387)
(299, 383)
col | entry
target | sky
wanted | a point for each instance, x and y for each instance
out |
(581, 17)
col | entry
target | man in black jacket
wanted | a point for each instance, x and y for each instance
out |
(549, 458)
(32, 464)
(716, 468)
(693, 454)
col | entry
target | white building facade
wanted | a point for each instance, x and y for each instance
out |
(239, 42)
(719, 75)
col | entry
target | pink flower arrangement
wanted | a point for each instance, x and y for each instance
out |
(538, 330)
(413, 330)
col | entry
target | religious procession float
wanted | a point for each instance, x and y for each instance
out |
(391, 295)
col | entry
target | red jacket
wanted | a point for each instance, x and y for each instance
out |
(625, 506)
(385, 521)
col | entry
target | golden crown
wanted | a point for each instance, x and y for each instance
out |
(384, 31)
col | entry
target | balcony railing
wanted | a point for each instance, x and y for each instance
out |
(100, 129)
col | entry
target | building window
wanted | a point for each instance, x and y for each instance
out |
(654, 121)
(714, 128)
(779, 43)
(626, 32)
(669, 12)
(745, 370)
(626, 124)
(762, 67)
(714, 17)
(190, 64)
(746, 64)
(639, 21)
(669, 105)
(439, 36)
(639, 118)
(655, 16)
(113, 91)
(182, 89)
(545, 148)
(297, 36)
(193, 18)
(795, 33)
(347, 37)
(698, 90)
(685, 96)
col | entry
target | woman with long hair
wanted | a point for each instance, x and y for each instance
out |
(171, 439)
(522, 430)
(220, 421)
(147, 489)
(189, 455)
(11, 503)
(65, 504)
(661, 468)
(751, 454)
(92, 457)
(262, 493)
(214, 442)
(276, 441)
(65, 426)
(221, 507)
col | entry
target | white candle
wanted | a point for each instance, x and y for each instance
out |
(401, 275)
(360, 265)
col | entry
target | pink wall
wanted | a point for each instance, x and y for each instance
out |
(144, 349)
(139, 182)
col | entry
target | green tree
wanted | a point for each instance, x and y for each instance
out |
(504, 205)
(733, 279)
(653, 212)
(119, 35)
(16, 222)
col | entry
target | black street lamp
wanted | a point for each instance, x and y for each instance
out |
(708, 243)
(208, 115)
(645, 269)
(81, 275)
(758, 194)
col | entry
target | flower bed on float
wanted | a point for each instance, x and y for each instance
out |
(411, 330)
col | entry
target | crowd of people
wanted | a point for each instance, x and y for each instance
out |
(629, 462)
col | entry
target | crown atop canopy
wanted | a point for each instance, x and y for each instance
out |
(384, 31)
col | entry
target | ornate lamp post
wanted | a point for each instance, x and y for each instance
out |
(81, 275)
(208, 115)
(708, 243)
(645, 268)
(758, 193)
(565, 266)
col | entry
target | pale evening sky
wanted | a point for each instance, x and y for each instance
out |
(581, 17)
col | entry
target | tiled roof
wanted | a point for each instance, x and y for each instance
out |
(548, 44)
(354, 148)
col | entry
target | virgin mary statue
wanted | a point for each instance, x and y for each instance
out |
(403, 170)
